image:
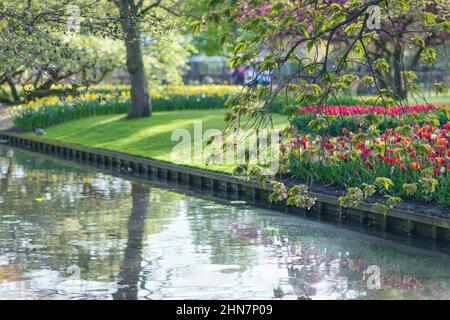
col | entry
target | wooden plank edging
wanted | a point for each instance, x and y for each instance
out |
(215, 180)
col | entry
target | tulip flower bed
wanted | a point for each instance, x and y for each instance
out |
(394, 111)
(415, 158)
(115, 99)
(333, 118)
(49, 111)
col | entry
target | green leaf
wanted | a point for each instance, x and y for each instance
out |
(380, 207)
(381, 65)
(384, 182)
(317, 124)
(428, 57)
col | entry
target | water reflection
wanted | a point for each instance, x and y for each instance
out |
(131, 265)
(72, 233)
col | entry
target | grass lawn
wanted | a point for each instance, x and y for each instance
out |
(148, 137)
(432, 98)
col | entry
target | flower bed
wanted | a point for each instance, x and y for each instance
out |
(343, 110)
(416, 160)
(48, 111)
(333, 118)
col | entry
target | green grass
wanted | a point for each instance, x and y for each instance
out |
(148, 137)
(445, 99)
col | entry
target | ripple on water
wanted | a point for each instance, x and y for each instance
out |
(117, 238)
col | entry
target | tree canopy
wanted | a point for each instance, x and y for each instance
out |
(328, 42)
(55, 47)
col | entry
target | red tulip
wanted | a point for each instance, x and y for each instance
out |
(304, 141)
(414, 166)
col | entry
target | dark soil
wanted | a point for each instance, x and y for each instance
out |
(421, 207)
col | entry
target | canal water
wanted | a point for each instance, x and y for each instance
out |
(70, 232)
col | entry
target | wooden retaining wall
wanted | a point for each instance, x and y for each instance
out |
(413, 224)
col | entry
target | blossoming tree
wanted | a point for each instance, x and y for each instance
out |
(327, 43)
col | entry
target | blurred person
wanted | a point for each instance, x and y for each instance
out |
(264, 78)
(249, 76)
(208, 80)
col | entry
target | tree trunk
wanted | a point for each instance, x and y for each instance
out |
(398, 85)
(12, 86)
(131, 265)
(140, 98)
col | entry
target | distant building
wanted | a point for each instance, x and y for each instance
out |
(207, 69)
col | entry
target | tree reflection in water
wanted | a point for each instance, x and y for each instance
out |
(118, 231)
(131, 265)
